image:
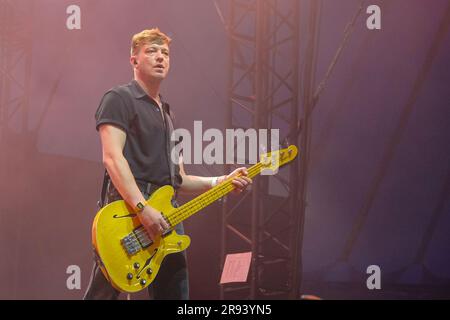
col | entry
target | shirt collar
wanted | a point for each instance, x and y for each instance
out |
(136, 89)
(139, 93)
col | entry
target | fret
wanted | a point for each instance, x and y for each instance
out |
(205, 199)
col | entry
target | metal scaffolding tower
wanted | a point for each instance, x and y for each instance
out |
(17, 142)
(263, 94)
(15, 67)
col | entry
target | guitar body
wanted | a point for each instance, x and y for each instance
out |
(126, 255)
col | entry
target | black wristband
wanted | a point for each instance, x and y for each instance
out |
(140, 207)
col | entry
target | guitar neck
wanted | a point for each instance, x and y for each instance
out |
(205, 199)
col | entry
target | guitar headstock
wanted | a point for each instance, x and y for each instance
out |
(270, 162)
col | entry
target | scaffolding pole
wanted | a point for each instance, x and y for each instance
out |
(263, 94)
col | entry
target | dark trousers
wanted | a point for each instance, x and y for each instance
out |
(171, 283)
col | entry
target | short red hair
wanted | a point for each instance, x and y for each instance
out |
(148, 36)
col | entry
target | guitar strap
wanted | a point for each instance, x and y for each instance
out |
(106, 181)
(170, 143)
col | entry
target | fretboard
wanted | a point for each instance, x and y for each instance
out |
(205, 199)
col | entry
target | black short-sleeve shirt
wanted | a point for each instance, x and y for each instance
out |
(147, 145)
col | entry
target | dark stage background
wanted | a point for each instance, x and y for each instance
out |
(380, 135)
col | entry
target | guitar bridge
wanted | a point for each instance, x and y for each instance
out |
(136, 241)
(131, 244)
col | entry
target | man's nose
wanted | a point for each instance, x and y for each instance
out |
(159, 56)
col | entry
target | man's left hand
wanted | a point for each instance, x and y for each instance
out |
(240, 179)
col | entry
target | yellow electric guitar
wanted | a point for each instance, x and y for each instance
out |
(128, 258)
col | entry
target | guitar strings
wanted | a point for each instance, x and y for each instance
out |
(208, 197)
(185, 210)
(204, 200)
(198, 203)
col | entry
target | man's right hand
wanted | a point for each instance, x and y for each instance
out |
(153, 222)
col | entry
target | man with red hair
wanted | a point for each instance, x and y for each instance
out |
(135, 126)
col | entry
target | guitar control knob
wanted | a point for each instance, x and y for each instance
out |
(129, 276)
(136, 265)
(143, 282)
(149, 271)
